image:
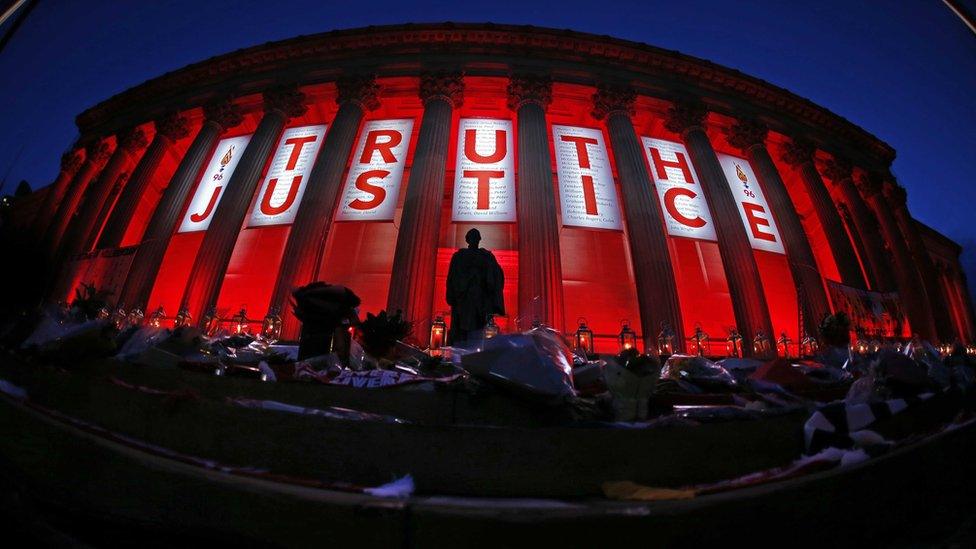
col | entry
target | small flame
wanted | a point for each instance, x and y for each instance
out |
(227, 156)
(741, 174)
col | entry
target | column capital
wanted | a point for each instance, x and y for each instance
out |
(613, 99)
(747, 133)
(442, 85)
(869, 184)
(798, 152)
(895, 194)
(838, 169)
(686, 114)
(97, 151)
(131, 141)
(287, 100)
(173, 126)
(525, 88)
(223, 112)
(360, 89)
(71, 160)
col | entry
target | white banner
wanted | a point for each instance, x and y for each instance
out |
(756, 216)
(373, 184)
(685, 209)
(587, 194)
(284, 184)
(207, 195)
(484, 178)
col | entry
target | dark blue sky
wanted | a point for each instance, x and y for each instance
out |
(905, 70)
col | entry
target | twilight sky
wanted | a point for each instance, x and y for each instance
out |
(905, 71)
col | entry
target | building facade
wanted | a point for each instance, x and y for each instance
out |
(613, 181)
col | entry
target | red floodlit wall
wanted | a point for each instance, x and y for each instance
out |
(174, 271)
(487, 98)
(254, 264)
(703, 291)
(598, 278)
(359, 254)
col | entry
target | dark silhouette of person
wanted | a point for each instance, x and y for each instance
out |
(474, 288)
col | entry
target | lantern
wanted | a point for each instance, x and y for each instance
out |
(239, 322)
(783, 345)
(103, 313)
(698, 341)
(760, 344)
(156, 319)
(808, 345)
(874, 345)
(860, 347)
(211, 322)
(733, 344)
(437, 331)
(183, 318)
(134, 318)
(584, 337)
(118, 318)
(665, 340)
(628, 338)
(271, 326)
(491, 329)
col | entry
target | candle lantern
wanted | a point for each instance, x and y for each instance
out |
(118, 318)
(628, 337)
(584, 337)
(760, 344)
(783, 345)
(437, 331)
(271, 326)
(808, 345)
(182, 319)
(665, 340)
(239, 322)
(733, 344)
(134, 317)
(698, 341)
(860, 347)
(156, 319)
(491, 329)
(211, 322)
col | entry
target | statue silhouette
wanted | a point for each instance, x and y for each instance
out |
(474, 288)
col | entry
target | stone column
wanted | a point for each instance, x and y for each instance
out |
(875, 259)
(911, 290)
(96, 153)
(415, 259)
(657, 291)
(86, 221)
(210, 265)
(71, 162)
(749, 136)
(148, 258)
(540, 283)
(962, 287)
(169, 129)
(120, 182)
(303, 251)
(799, 154)
(687, 118)
(923, 262)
